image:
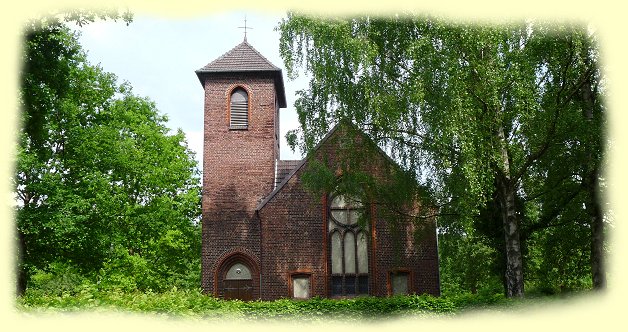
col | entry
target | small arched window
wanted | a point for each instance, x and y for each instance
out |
(239, 109)
(238, 271)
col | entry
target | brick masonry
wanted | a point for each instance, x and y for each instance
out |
(294, 233)
(238, 170)
(288, 234)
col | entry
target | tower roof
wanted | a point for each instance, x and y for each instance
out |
(244, 59)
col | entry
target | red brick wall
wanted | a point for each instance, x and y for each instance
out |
(294, 236)
(238, 169)
(415, 252)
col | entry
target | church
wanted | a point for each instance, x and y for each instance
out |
(264, 234)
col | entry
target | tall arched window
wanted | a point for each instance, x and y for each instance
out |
(349, 248)
(239, 109)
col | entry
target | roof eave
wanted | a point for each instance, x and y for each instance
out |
(287, 178)
(277, 73)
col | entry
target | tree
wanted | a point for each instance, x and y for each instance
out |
(47, 63)
(472, 110)
(97, 170)
(568, 177)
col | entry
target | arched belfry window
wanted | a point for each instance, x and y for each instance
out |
(348, 245)
(239, 109)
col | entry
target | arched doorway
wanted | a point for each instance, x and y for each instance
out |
(238, 283)
(237, 278)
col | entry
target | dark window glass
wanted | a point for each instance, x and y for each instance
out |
(363, 285)
(336, 285)
(350, 285)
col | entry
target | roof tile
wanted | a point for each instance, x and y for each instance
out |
(243, 57)
(284, 167)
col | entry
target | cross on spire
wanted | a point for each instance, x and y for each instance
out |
(245, 27)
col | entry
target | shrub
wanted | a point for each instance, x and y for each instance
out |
(127, 273)
(193, 303)
(57, 279)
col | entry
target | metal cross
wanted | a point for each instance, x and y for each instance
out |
(245, 27)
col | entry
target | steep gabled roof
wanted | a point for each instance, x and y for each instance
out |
(302, 162)
(284, 167)
(244, 59)
(295, 169)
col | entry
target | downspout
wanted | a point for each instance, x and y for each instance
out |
(261, 253)
(437, 256)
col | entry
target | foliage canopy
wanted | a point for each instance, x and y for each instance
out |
(104, 189)
(503, 123)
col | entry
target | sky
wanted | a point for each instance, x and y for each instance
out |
(158, 57)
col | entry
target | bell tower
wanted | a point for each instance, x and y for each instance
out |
(243, 95)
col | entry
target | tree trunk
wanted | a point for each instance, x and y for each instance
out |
(597, 235)
(514, 260)
(506, 195)
(21, 271)
(590, 180)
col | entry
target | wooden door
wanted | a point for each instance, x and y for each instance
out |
(241, 289)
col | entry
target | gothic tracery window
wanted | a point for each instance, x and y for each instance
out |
(348, 248)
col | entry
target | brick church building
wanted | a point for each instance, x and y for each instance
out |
(264, 235)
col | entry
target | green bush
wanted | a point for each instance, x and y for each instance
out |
(465, 301)
(193, 303)
(127, 273)
(57, 279)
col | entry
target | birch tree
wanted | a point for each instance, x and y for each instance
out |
(471, 110)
